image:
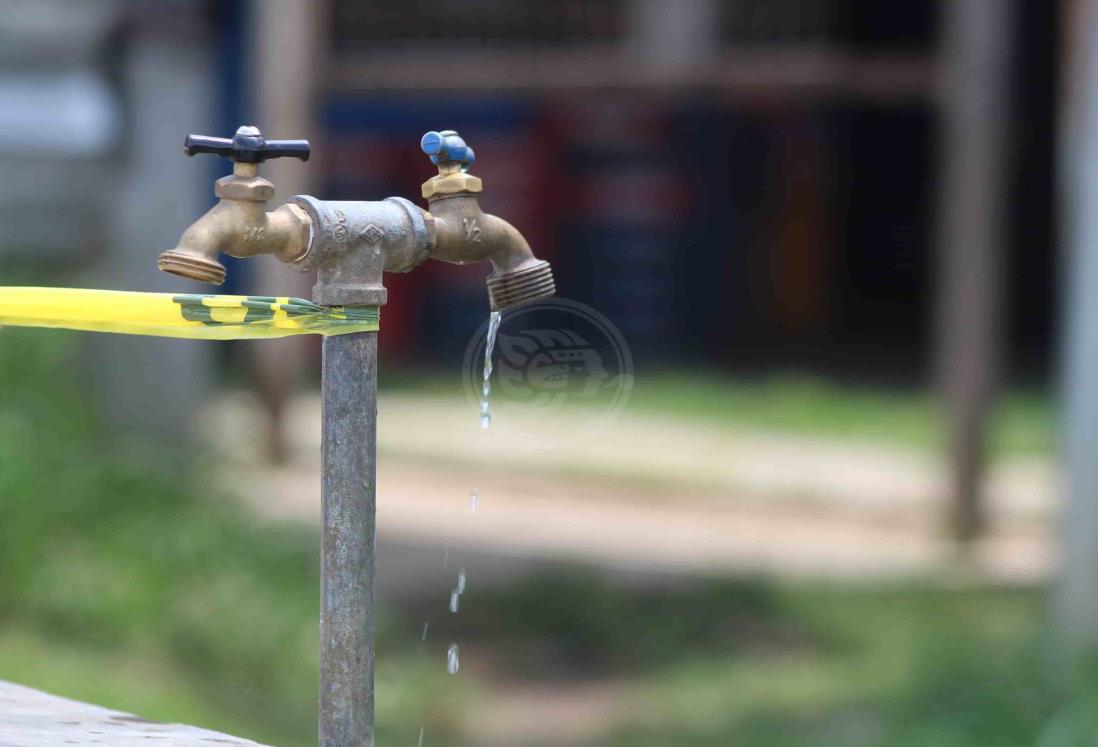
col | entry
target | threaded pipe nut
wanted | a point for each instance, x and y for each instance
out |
(191, 266)
(520, 286)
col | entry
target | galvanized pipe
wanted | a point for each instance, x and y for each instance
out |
(348, 497)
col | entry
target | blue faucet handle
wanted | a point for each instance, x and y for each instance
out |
(447, 147)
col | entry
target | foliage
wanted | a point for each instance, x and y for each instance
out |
(1021, 424)
(126, 582)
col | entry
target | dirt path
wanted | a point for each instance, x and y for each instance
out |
(700, 501)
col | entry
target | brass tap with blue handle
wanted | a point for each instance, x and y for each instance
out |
(447, 146)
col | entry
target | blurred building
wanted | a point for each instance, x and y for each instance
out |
(746, 184)
(94, 99)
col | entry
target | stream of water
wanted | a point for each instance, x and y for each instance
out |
(486, 385)
(452, 662)
(455, 595)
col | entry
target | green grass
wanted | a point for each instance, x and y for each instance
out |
(1023, 423)
(126, 582)
(741, 662)
(879, 667)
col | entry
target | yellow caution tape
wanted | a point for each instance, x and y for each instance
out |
(192, 316)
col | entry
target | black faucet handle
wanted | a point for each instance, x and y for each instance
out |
(246, 146)
(447, 147)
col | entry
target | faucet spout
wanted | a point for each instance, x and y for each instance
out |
(240, 226)
(464, 233)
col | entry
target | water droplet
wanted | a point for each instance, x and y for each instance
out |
(452, 663)
(461, 581)
(424, 638)
(420, 742)
(486, 385)
(454, 600)
(445, 555)
(474, 500)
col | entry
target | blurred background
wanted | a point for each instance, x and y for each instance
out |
(851, 500)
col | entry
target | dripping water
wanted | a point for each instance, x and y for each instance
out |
(486, 385)
(452, 663)
(455, 595)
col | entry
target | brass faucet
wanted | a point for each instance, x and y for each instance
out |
(239, 225)
(351, 244)
(463, 233)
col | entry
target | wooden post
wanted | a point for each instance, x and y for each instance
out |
(1075, 600)
(975, 114)
(289, 43)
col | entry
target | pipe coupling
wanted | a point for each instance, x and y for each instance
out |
(354, 243)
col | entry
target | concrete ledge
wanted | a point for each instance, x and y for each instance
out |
(30, 718)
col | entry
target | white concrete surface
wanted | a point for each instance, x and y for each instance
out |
(31, 718)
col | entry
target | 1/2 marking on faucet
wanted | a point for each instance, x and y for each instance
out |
(472, 230)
